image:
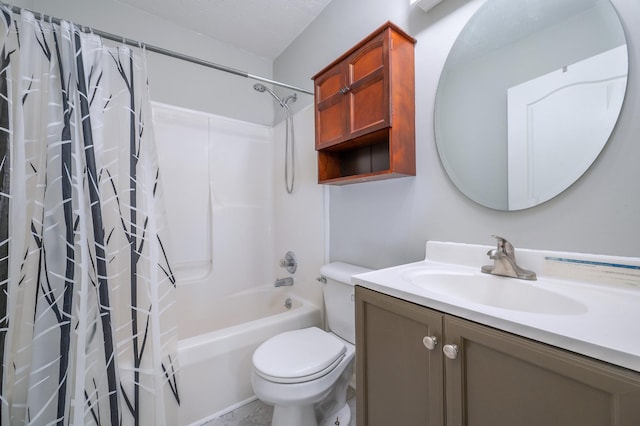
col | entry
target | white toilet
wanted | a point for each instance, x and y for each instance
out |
(305, 373)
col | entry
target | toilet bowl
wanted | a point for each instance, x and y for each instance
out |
(305, 373)
(314, 377)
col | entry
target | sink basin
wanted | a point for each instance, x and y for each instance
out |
(496, 291)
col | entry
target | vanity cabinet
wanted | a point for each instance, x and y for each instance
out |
(398, 381)
(365, 110)
(484, 376)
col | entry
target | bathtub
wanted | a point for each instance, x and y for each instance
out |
(217, 340)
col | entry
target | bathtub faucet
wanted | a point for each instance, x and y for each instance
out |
(283, 282)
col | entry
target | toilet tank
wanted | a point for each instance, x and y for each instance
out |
(339, 298)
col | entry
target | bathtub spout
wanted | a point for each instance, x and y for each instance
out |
(283, 282)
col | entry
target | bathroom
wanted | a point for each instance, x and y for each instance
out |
(374, 224)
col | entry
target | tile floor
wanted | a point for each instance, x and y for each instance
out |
(258, 413)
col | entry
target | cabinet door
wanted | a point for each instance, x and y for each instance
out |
(368, 87)
(500, 379)
(399, 381)
(331, 108)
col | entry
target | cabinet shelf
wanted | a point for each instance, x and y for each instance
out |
(370, 157)
(365, 110)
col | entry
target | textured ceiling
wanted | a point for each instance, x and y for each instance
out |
(263, 27)
(502, 22)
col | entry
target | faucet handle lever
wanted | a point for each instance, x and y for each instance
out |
(505, 245)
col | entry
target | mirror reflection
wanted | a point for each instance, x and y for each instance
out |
(528, 97)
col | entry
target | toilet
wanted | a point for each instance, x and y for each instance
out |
(305, 373)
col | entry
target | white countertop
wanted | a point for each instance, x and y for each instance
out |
(607, 327)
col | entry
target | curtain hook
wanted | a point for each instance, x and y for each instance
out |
(43, 21)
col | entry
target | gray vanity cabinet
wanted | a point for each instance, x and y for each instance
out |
(502, 379)
(398, 381)
(487, 377)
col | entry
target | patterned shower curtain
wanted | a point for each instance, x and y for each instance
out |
(87, 326)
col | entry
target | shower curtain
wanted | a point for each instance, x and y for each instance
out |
(87, 326)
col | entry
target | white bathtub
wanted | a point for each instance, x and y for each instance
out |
(217, 339)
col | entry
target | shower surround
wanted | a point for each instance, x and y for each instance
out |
(231, 220)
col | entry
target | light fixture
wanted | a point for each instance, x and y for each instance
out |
(425, 5)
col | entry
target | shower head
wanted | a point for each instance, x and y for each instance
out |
(262, 88)
(283, 102)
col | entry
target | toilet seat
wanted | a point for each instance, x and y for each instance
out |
(298, 356)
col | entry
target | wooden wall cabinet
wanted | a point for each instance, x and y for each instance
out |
(365, 110)
(496, 378)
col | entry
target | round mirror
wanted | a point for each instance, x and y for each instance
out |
(528, 97)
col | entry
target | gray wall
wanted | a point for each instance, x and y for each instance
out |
(379, 224)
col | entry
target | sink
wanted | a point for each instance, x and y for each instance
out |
(495, 291)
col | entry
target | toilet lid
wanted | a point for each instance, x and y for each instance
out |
(298, 355)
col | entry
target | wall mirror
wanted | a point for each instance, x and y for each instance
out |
(528, 97)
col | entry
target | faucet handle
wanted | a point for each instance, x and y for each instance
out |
(289, 262)
(505, 245)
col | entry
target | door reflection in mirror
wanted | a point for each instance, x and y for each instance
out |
(559, 122)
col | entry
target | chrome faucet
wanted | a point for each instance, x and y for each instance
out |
(504, 262)
(283, 282)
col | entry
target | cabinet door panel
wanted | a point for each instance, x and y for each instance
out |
(399, 379)
(369, 58)
(368, 97)
(329, 83)
(330, 127)
(368, 111)
(500, 379)
(331, 120)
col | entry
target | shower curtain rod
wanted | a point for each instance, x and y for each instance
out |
(165, 52)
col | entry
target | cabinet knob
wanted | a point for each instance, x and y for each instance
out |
(450, 351)
(344, 90)
(430, 342)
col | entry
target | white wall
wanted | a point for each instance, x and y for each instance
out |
(384, 223)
